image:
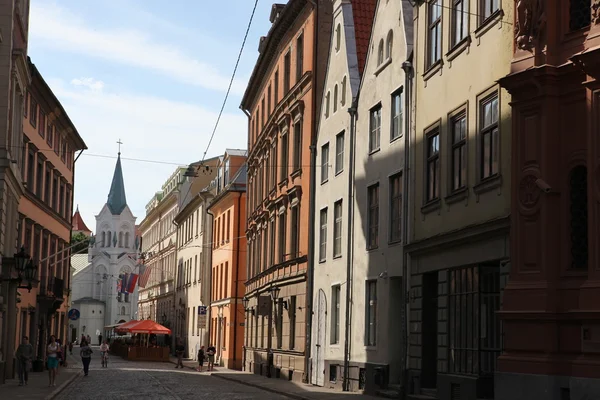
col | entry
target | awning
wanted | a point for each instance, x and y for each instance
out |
(147, 326)
(123, 328)
(113, 326)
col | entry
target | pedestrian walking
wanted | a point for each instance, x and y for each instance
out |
(99, 340)
(179, 349)
(86, 356)
(200, 358)
(52, 352)
(104, 350)
(71, 348)
(24, 355)
(210, 351)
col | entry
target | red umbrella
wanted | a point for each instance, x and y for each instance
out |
(148, 326)
(124, 328)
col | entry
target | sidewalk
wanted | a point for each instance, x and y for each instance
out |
(293, 390)
(37, 387)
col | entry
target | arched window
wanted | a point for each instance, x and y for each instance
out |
(127, 239)
(103, 239)
(109, 242)
(120, 239)
(578, 207)
(123, 310)
(389, 45)
(380, 53)
(335, 98)
(344, 91)
(338, 37)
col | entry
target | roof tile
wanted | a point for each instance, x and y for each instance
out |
(363, 12)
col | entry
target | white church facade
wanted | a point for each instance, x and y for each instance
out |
(103, 290)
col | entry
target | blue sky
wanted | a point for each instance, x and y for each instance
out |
(152, 73)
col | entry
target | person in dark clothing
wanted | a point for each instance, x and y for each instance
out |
(179, 350)
(24, 355)
(211, 351)
(99, 340)
(86, 356)
(200, 359)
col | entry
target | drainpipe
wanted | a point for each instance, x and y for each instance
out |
(237, 277)
(312, 207)
(408, 72)
(209, 308)
(350, 248)
(176, 327)
(70, 236)
(247, 254)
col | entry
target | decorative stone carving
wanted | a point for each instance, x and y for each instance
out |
(529, 193)
(595, 12)
(531, 21)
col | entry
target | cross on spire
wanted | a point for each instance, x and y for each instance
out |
(119, 143)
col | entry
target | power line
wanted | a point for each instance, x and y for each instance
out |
(441, 5)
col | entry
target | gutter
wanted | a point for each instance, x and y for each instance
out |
(312, 206)
(408, 72)
(237, 277)
(350, 248)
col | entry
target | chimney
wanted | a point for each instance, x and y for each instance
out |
(276, 11)
(261, 44)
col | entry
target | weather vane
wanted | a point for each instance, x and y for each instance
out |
(119, 143)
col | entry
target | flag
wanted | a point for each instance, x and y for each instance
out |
(132, 281)
(144, 275)
(124, 280)
(119, 285)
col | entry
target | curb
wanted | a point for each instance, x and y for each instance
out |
(185, 366)
(62, 387)
(267, 389)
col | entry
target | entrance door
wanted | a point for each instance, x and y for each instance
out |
(318, 372)
(429, 329)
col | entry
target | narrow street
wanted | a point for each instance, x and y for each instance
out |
(136, 380)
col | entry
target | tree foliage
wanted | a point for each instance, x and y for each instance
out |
(81, 241)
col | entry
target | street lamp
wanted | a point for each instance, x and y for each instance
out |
(274, 293)
(245, 302)
(25, 267)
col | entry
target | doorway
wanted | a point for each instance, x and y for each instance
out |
(429, 329)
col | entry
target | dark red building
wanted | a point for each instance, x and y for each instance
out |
(551, 305)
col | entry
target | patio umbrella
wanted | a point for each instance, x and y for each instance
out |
(148, 326)
(124, 328)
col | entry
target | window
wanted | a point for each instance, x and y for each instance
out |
(335, 98)
(489, 7)
(286, 72)
(339, 153)
(295, 232)
(34, 112)
(389, 45)
(274, 165)
(327, 105)
(39, 184)
(323, 235)
(578, 198)
(282, 228)
(460, 21)
(373, 217)
(433, 166)
(396, 208)
(279, 323)
(262, 113)
(276, 89)
(284, 157)
(226, 174)
(269, 100)
(42, 125)
(435, 32)
(299, 57)
(371, 314)
(490, 137)
(338, 37)
(474, 326)
(272, 243)
(344, 91)
(335, 315)
(375, 128)
(298, 145)
(337, 229)
(459, 152)
(292, 313)
(324, 163)
(50, 135)
(31, 169)
(47, 186)
(380, 53)
(397, 115)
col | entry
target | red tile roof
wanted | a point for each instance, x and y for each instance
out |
(78, 224)
(363, 12)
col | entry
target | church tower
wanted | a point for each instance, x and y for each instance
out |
(114, 253)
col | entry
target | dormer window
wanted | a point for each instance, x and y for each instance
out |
(226, 175)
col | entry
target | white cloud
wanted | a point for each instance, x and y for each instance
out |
(151, 128)
(90, 83)
(57, 28)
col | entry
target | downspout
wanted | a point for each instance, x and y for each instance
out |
(209, 308)
(408, 72)
(247, 256)
(312, 207)
(175, 277)
(237, 277)
(71, 229)
(350, 248)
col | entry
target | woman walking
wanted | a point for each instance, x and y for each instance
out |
(52, 352)
(200, 359)
(86, 356)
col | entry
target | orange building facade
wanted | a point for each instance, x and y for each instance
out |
(282, 101)
(45, 210)
(228, 272)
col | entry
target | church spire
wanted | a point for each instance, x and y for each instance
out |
(116, 197)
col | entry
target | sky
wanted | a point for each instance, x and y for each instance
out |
(150, 73)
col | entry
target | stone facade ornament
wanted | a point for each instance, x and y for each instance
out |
(531, 21)
(529, 193)
(595, 12)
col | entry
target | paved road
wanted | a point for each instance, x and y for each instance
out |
(144, 380)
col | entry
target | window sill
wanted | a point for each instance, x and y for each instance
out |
(488, 184)
(325, 181)
(395, 242)
(377, 150)
(457, 195)
(433, 69)
(459, 48)
(488, 23)
(323, 261)
(383, 66)
(339, 172)
(395, 139)
(282, 183)
(431, 206)
(370, 348)
(372, 248)
(338, 256)
(296, 173)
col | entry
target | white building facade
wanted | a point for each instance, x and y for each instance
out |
(376, 344)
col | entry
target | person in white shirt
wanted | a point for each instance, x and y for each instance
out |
(104, 351)
(52, 351)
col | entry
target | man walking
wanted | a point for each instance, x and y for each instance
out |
(210, 352)
(24, 355)
(179, 349)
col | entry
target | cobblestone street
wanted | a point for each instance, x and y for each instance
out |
(134, 380)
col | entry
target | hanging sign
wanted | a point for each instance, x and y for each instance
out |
(74, 314)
